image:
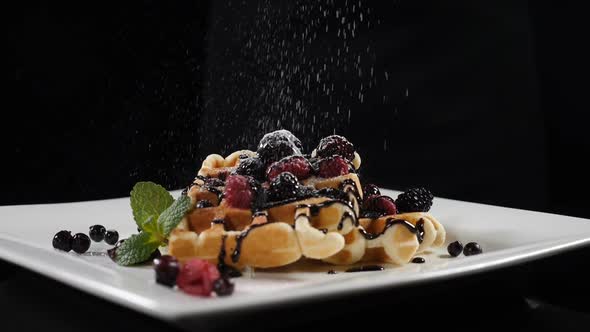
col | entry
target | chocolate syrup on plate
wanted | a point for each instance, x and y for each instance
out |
(365, 268)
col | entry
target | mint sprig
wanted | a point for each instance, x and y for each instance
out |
(149, 199)
(157, 214)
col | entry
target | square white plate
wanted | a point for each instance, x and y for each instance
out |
(507, 236)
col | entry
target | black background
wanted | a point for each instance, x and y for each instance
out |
(107, 95)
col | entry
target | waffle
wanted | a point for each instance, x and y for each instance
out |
(317, 226)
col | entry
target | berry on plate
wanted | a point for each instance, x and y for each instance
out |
(414, 200)
(62, 240)
(97, 232)
(196, 277)
(166, 268)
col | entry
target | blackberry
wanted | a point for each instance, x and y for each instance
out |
(278, 144)
(335, 145)
(253, 167)
(284, 186)
(414, 200)
(259, 193)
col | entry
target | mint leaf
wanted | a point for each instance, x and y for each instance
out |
(170, 218)
(150, 225)
(148, 199)
(136, 249)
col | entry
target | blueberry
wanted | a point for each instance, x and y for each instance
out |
(63, 240)
(111, 237)
(80, 243)
(472, 248)
(166, 268)
(455, 248)
(97, 233)
(203, 204)
(223, 287)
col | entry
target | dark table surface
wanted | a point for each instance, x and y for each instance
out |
(549, 294)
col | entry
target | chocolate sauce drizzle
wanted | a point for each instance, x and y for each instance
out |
(314, 210)
(235, 255)
(365, 268)
(390, 222)
(347, 216)
(223, 268)
(349, 186)
(204, 186)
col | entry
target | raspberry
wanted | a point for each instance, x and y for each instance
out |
(297, 165)
(370, 190)
(335, 145)
(238, 192)
(414, 200)
(196, 277)
(253, 167)
(284, 186)
(382, 205)
(333, 166)
(277, 145)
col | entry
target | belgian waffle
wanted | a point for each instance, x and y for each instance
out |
(316, 226)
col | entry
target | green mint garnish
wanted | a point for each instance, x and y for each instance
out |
(172, 216)
(157, 214)
(149, 199)
(136, 249)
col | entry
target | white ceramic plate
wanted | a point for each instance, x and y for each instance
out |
(507, 236)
